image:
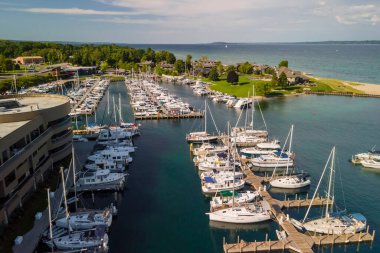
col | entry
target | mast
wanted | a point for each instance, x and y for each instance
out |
(120, 118)
(253, 104)
(330, 183)
(49, 211)
(65, 199)
(114, 109)
(108, 101)
(246, 114)
(290, 148)
(205, 116)
(74, 176)
(319, 183)
(233, 182)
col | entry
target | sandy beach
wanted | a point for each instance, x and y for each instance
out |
(373, 89)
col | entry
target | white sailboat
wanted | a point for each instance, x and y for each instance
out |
(332, 223)
(224, 199)
(290, 181)
(201, 137)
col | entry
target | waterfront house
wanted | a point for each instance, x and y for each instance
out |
(294, 77)
(24, 60)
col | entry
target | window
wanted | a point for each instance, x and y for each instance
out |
(10, 178)
(5, 156)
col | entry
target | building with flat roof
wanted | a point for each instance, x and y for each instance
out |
(29, 60)
(35, 132)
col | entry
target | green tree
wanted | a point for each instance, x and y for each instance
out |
(230, 68)
(232, 77)
(246, 68)
(213, 75)
(179, 66)
(283, 63)
(283, 80)
(274, 80)
(104, 66)
(188, 62)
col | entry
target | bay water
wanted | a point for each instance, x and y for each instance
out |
(346, 61)
(163, 209)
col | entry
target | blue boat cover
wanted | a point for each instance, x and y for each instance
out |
(209, 180)
(359, 217)
(282, 155)
(223, 155)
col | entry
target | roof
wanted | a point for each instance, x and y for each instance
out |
(33, 103)
(29, 57)
(8, 128)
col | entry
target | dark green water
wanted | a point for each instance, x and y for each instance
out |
(163, 209)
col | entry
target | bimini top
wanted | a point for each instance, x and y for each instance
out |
(228, 193)
(209, 180)
(358, 217)
(282, 155)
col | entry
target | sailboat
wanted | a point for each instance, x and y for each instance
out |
(290, 181)
(336, 223)
(201, 137)
(243, 214)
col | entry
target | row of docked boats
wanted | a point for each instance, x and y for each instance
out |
(148, 99)
(219, 164)
(201, 89)
(85, 98)
(105, 170)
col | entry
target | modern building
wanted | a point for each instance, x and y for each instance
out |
(35, 132)
(29, 60)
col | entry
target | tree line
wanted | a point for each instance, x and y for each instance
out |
(112, 55)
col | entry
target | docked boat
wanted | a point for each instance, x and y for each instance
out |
(82, 240)
(331, 222)
(86, 220)
(290, 181)
(371, 154)
(264, 148)
(100, 178)
(274, 160)
(208, 148)
(113, 155)
(245, 214)
(225, 199)
(374, 163)
(211, 185)
(203, 136)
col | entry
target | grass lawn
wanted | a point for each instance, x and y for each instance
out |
(329, 85)
(241, 89)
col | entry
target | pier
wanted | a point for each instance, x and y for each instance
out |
(295, 240)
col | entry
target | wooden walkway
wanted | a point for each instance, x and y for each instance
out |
(295, 241)
(170, 116)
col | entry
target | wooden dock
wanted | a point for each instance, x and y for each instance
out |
(170, 116)
(295, 240)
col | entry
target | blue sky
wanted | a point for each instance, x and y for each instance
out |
(189, 21)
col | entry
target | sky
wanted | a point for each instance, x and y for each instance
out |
(189, 21)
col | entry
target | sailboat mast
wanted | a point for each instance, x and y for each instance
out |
(74, 176)
(316, 189)
(253, 104)
(120, 118)
(233, 182)
(64, 193)
(205, 116)
(290, 148)
(114, 108)
(330, 183)
(49, 211)
(108, 101)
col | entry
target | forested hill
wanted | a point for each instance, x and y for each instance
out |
(84, 54)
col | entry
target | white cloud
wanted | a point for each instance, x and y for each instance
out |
(76, 11)
(358, 14)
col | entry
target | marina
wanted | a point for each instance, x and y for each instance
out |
(261, 240)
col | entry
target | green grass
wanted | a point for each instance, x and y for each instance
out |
(333, 85)
(241, 89)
